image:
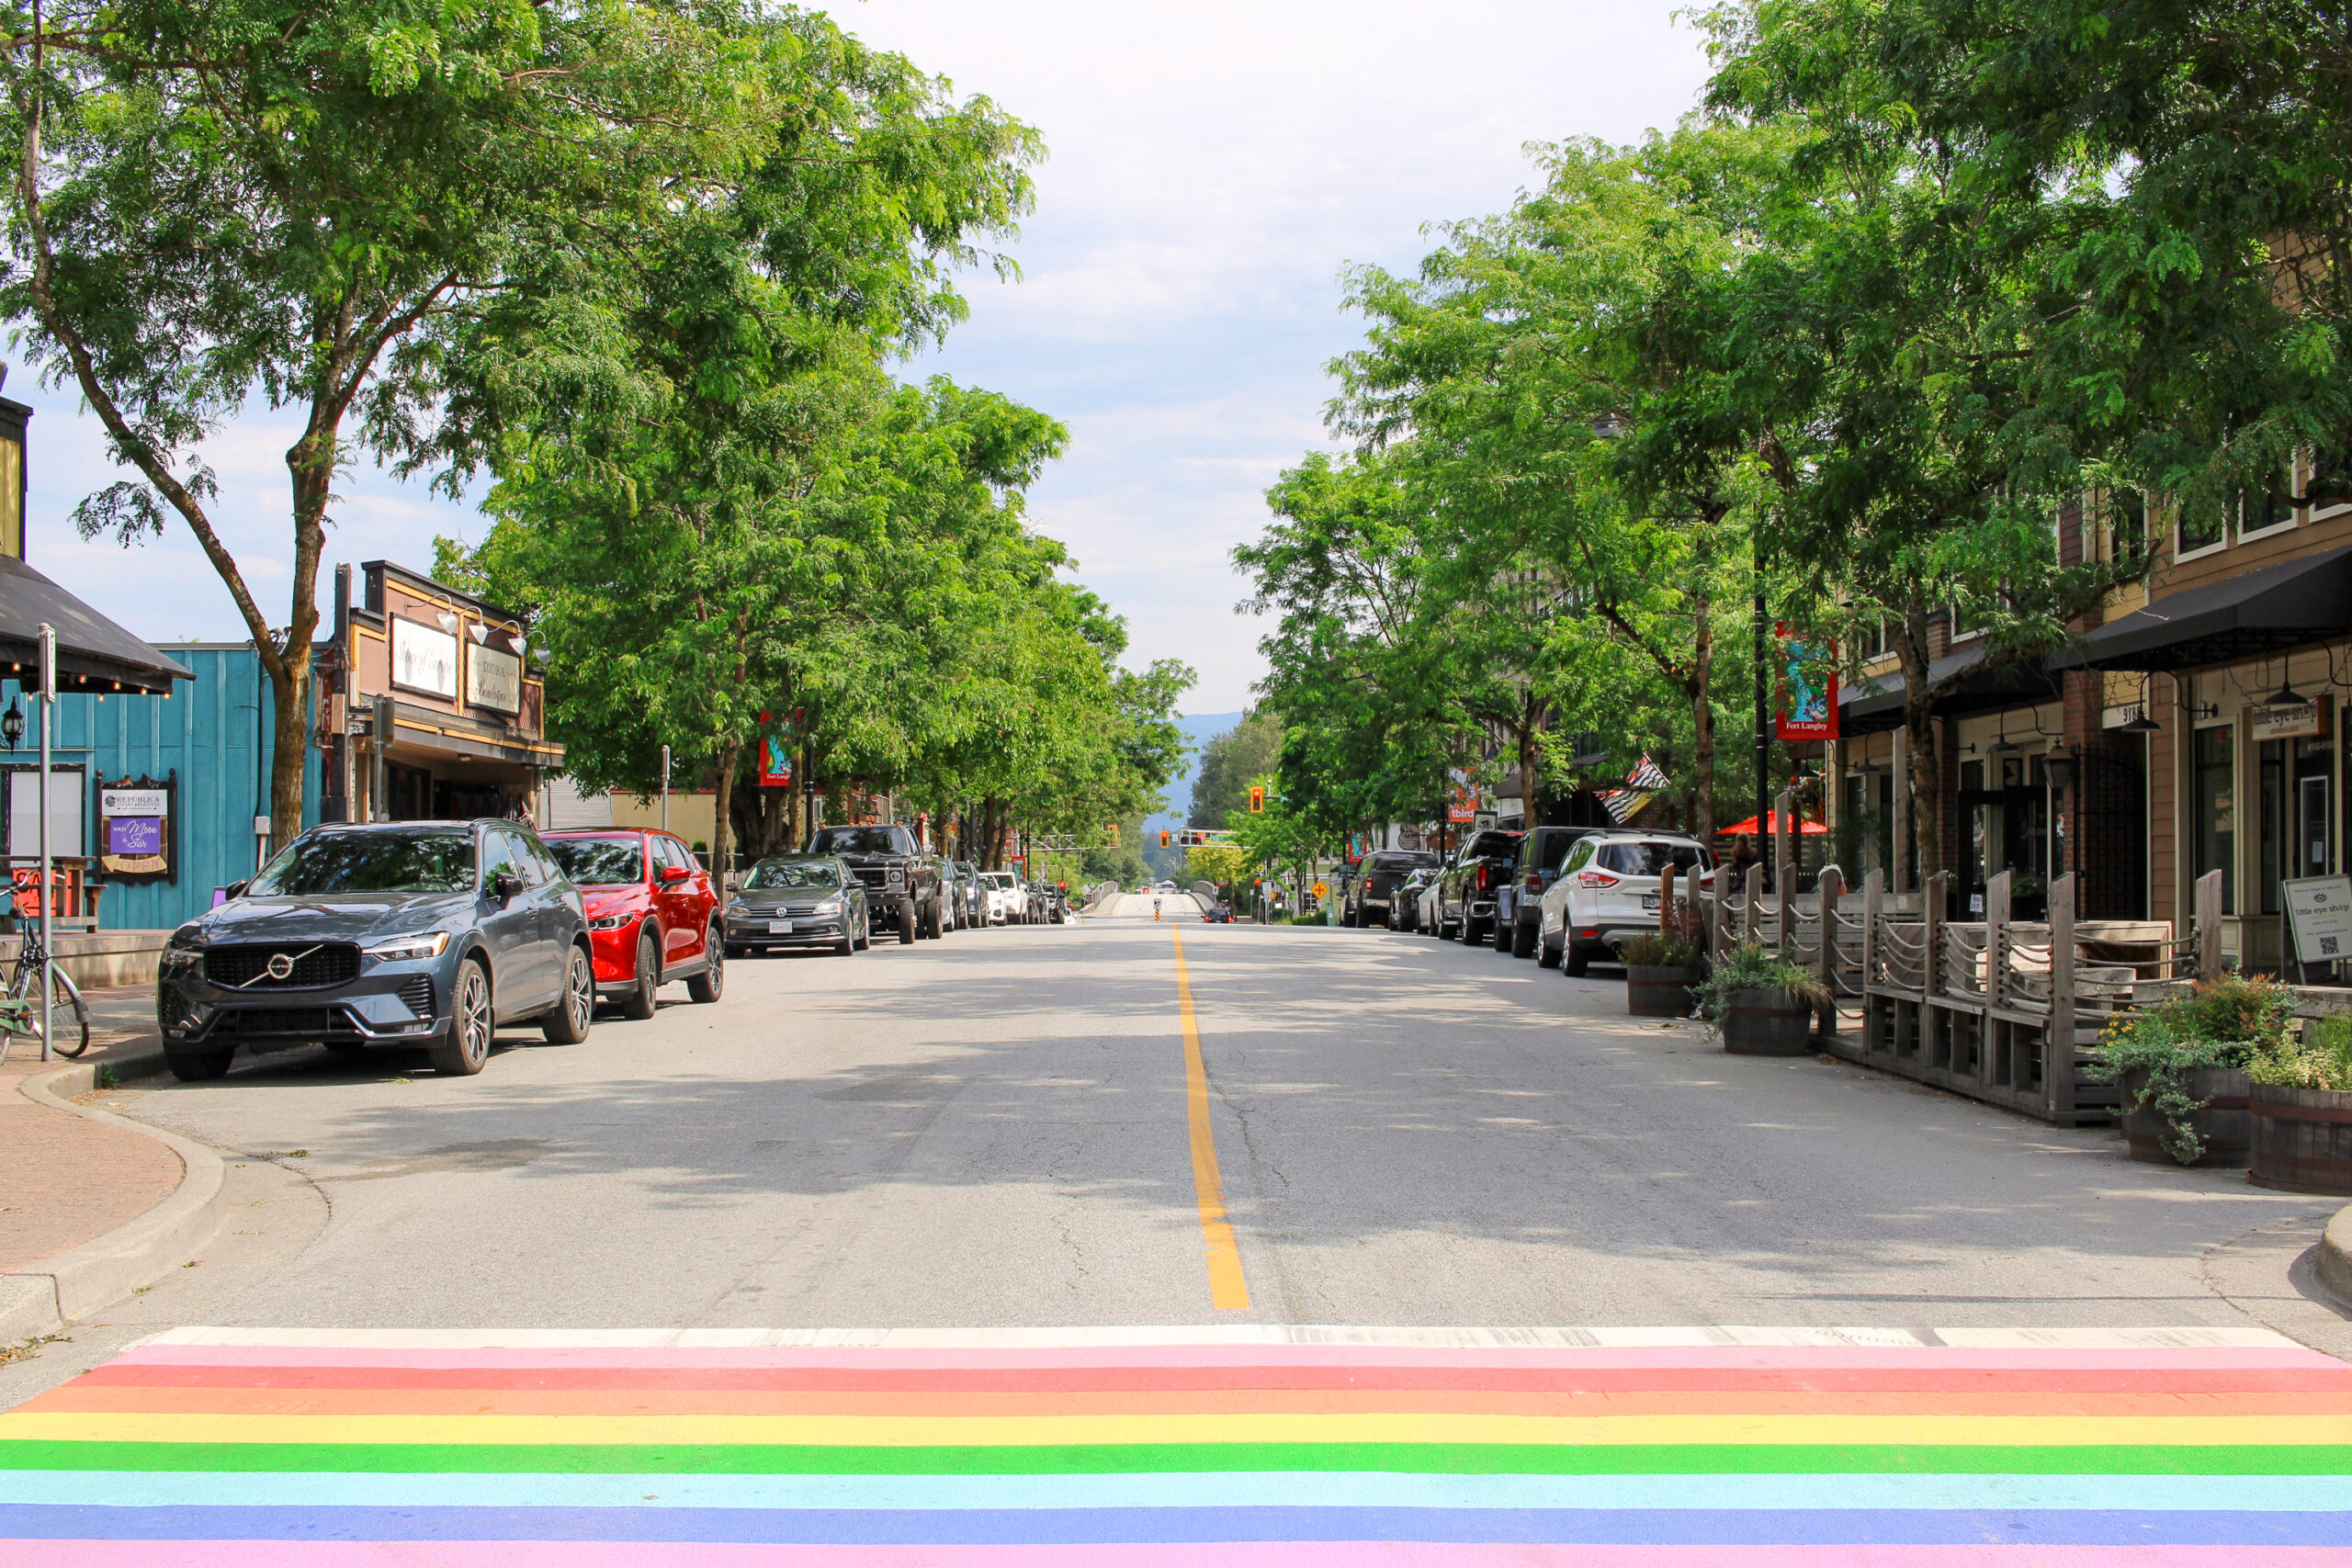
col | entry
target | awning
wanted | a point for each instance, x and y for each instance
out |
(2256, 613)
(93, 653)
(1875, 703)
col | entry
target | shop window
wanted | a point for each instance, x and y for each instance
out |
(2259, 511)
(2212, 799)
(2124, 537)
(2199, 522)
(2297, 784)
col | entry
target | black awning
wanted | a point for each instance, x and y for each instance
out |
(2256, 613)
(1875, 703)
(93, 653)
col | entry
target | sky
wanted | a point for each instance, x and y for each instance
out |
(1211, 169)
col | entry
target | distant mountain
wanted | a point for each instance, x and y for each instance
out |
(1199, 728)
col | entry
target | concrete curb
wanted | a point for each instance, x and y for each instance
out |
(2335, 1260)
(51, 1294)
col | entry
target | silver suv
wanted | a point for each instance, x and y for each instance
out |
(1607, 893)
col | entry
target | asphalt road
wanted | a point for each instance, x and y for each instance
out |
(993, 1130)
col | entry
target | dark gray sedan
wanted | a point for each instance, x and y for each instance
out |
(417, 933)
(799, 901)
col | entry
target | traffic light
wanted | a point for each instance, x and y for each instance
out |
(1257, 797)
(1163, 838)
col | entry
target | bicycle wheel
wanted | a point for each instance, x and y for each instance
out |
(69, 1019)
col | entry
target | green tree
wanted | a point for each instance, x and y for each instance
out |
(1228, 762)
(300, 205)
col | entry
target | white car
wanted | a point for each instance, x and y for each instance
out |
(1608, 892)
(1008, 901)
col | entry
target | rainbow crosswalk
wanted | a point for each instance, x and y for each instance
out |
(1241, 1446)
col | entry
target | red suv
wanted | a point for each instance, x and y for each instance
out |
(652, 913)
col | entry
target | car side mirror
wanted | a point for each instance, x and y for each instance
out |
(675, 874)
(234, 890)
(504, 885)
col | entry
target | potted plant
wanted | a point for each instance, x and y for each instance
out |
(2302, 1110)
(1660, 969)
(2182, 1066)
(1761, 1003)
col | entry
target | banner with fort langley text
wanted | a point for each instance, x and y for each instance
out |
(775, 748)
(1808, 688)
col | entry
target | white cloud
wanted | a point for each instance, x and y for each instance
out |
(1211, 169)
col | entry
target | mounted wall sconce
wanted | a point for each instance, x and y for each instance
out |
(1865, 768)
(478, 631)
(2140, 723)
(2287, 696)
(12, 725)
(448, 620)
(2004, 747)
(2204, 710)
(2059, 769)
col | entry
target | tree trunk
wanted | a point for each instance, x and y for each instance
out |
(722, 829)
(1927, 775)
(310, 464)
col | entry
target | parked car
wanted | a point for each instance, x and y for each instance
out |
(415, 933)
(971, 899)
(653, 915)
(1521, 905)
(1405, 903)
(1608, 892)
(902, 882)
(1372, 896)
(1467, 891)
(800, 901)
(1008, 901)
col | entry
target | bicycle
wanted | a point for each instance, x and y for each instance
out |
(20, 1003)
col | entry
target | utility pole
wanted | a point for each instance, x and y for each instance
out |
(665, 789)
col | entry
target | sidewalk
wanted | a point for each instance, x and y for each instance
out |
(65, 1179)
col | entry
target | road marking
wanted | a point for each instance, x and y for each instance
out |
(1226, 1287)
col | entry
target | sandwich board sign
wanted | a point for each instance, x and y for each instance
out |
(2320, 908)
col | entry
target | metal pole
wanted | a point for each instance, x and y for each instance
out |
(48, 708)
(1763, 720)
(665, 789)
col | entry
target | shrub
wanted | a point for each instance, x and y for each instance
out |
(1751, 967)
(2321, 1059)
(1663, 949)
(2225, 1022)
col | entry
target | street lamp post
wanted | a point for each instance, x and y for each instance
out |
(48, 710)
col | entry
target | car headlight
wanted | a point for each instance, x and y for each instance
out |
(416, 945)
(189, 937)
(609, 922)
(829, 906)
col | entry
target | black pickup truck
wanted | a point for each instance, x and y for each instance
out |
(1467, 892)
(902, 884)
(1371, 896)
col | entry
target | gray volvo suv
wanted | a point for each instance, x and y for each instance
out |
(415, 933)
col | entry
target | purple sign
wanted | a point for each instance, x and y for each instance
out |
(134, 835)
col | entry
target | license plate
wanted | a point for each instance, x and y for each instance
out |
(779, 928)
(1649, 900)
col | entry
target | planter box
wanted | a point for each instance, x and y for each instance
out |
(2225, 1125)
(1767, 1023)
(2302, 1139)
(1654, 990)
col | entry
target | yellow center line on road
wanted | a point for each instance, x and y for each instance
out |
(1227, 1289)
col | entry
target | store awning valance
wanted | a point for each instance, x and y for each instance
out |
(93, 653)
(2255, 613)
(1875, 703)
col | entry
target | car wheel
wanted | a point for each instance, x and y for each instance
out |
(639, 1002)
(866, 931)
(1468, 931)
(568, 1024)
(907, 923)
(847, 946)
(711, 984)
(464, 1045)
(199, 1066)
(1577, 960)
(1522, 939)
(1547, 955)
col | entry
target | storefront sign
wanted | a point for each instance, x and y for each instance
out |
(2285, 721)
(425, 658)
(1808, 689)
(135, 828)
(493, 679)
(2321, 911)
